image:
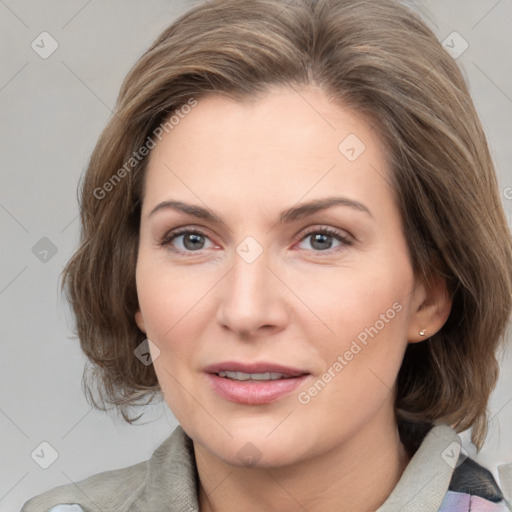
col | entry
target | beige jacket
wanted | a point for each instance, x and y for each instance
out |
(434, 480)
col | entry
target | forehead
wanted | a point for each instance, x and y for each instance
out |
(281, 146)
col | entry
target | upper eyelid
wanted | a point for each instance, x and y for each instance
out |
(342, 233)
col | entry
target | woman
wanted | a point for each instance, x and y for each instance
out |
(291, 228)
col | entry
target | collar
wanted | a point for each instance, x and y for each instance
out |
(425, 481)
(421, 488)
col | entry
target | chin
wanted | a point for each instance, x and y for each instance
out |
(252, 449)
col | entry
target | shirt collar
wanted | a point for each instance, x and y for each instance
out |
(425, 481)
(421, 488)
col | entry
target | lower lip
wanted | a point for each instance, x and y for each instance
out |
(252, 392)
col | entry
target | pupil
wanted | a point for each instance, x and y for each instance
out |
(323, 239)
(193, 238)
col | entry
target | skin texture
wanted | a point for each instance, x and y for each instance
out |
(299, 303)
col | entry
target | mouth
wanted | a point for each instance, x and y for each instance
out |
(254, 376)
(254, 383)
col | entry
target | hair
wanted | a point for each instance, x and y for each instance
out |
(442, 175)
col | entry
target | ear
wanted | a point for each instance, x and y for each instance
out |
(139, 320)
(432, 306)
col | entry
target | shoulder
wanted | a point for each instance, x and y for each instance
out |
(439, 478)
(104, 491)
(168, 477)
(473, 487)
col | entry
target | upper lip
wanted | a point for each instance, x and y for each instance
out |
(262, 367)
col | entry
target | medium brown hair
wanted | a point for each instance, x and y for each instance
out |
(442, 173)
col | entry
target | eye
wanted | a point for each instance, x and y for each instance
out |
(321, 239)
(191, 240)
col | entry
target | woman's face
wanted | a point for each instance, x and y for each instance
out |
(321, 300)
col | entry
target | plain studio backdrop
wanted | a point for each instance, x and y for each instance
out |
(55, 97)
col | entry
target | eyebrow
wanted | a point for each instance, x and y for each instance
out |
(287, 216)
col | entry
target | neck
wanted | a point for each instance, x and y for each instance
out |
(359, 474)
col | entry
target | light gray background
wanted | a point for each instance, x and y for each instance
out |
(52, 111)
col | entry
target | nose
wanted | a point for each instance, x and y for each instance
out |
(252, 298)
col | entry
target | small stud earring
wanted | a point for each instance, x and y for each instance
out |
(422, 332)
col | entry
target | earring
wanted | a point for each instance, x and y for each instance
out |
(422, 332)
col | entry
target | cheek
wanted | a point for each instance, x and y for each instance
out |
(170, 300)
(172, 310)
(366, 310)
(362, 359)
(349, 300)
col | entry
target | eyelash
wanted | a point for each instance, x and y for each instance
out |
(345, 241)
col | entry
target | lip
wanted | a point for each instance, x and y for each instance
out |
(252, 392)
